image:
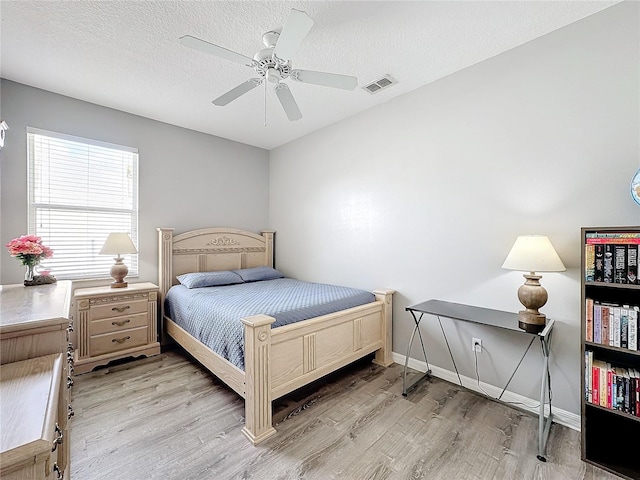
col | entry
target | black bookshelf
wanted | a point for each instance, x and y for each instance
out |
(603, 427)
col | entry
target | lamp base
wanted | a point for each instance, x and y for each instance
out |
(532, 296)
(531, 322)
(118, 271)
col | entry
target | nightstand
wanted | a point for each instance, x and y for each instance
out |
(115, 323)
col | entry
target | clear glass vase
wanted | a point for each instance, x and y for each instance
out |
(29, 273)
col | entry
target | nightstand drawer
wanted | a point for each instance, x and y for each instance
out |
(97, 312)
(117, 324)
(115, 341)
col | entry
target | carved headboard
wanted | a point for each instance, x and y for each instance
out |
(209, 249)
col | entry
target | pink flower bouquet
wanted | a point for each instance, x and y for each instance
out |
(28, 249)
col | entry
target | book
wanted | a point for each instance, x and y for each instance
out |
(589, 262)
(626, 382)
(595, 383)
(611, 329)
(633, 328)
(614, 388)
(587, 376)
(608, 263)
(619, 263)
(619, 389)
(633, 380)
(632, 263)
(616, 326)
(589, 320)
(605, 325)
(595, 238)
(597, 322)
(624, 326)
(602, 375)
(599, 263)
(637, 373)
(609, 385)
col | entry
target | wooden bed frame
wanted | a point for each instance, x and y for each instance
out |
(277, 360)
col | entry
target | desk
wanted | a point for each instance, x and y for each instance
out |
(490, 318)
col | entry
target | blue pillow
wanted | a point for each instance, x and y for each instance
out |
(258, 273)
(209, 279)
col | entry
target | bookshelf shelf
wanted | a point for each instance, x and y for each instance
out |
(612, 285)
(610, 324)
(597, 346)
(614, 412)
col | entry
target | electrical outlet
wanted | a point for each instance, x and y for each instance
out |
(476, 345)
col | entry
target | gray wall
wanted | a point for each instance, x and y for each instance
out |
(427, 193)
(187, 179)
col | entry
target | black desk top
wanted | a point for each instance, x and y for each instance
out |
(468, 313)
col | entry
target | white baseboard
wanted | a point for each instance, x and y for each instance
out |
(560, 416)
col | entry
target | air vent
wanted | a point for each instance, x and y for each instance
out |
(381, 83)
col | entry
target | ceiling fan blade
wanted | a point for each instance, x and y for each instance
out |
(287, 101)
(196, 43)
(333, 80)
(234, 93)
(297, 26)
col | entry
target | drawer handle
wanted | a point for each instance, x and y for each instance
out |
(70, 412)
(59, 473)
(69, 382)
(59, 438)
(121, 340)
(120, 323)
(120, 309)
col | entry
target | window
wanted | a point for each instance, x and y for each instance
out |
(79, 191)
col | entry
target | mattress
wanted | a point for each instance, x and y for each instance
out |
(213, 314)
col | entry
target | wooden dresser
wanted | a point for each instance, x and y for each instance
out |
(32, 420)
(115, 323)
(35, 381)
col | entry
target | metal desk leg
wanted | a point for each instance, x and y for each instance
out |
(406, 387)
(544, 424)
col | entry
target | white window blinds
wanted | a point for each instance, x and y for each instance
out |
(80, 190)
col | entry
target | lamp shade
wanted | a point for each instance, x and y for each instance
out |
(533, 253)
(118, 243)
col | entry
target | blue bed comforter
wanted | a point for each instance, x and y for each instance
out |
(213, 314)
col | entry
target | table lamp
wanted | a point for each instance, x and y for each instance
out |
(533, 253)
(118, 243)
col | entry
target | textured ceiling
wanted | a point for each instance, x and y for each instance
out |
(125, 54)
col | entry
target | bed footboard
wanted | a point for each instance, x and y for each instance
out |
(282, 359)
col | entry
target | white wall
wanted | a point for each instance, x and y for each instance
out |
(188, 179)
(427, 193)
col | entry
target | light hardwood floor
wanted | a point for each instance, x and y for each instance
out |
(165, 417)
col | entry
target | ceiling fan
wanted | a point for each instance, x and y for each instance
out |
(273, 64)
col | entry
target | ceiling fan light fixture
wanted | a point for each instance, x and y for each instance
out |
(273, 76)
(270, 38)
(264, 54)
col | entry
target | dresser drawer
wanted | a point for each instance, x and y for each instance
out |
(117, 324)
(115, 341)
(108, 310)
